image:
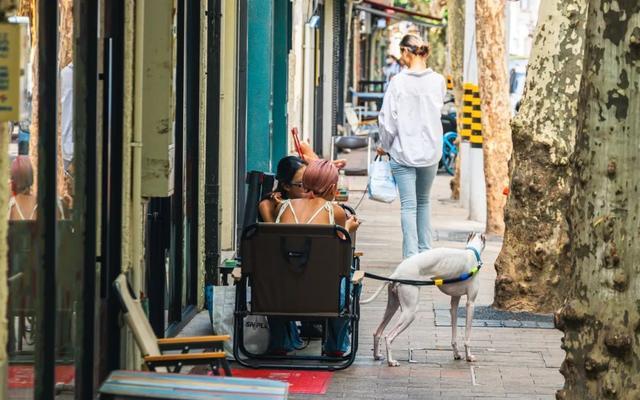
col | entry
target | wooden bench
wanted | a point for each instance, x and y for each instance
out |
(152, 385)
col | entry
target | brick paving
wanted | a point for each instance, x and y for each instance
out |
(511, 363)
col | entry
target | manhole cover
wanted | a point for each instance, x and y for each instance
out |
(489, 317)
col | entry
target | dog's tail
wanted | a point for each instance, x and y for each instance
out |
(376, 294)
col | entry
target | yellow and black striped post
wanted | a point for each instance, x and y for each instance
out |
(467, 110)
(476, 118)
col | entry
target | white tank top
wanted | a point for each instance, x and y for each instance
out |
(326, 206)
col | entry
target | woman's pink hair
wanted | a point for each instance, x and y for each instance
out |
(319, 176)
(21, 175)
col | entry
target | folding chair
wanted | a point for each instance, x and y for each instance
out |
(296, 271)
(153, 348)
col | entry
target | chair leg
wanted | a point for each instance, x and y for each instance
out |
(225, 367)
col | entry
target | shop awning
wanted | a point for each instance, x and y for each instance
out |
(400, 14)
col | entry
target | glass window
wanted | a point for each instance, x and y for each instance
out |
(45, 234)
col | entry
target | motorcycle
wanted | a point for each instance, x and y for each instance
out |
(450, 136)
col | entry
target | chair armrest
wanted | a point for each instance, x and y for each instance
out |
(357, 277)
(186, 359)
(236, 274)
(193, 342)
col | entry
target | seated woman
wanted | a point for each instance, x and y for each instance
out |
(23, 203)
(320, 179)
(289, 173)
(289, 177)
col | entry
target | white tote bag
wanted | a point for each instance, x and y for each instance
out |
(256, 327)
(382, 185)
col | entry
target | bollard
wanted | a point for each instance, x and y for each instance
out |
(465, 134)
(478, 201)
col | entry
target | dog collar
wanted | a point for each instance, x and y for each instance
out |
(477, 254)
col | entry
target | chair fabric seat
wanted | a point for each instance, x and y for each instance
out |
(295, 269)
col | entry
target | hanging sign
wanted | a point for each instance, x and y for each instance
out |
(10, 72)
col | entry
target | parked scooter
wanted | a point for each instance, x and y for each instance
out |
(450, 135)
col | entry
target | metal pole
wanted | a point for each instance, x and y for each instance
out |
(47, 196)
(85, 115)
(212, 176)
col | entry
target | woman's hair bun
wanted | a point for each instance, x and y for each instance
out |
(415, 45)
(422, 50)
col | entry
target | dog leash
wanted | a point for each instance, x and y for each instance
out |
(433, 282)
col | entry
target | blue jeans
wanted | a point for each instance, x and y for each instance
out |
(414, 185)
(338, 329)
(284, 334)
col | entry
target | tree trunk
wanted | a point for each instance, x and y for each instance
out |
(455, 31)
(534, 256)
(28, 8)
(437, 39)
(601, 318)
(496, 110)
(65, 57)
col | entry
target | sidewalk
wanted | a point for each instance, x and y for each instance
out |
(511, 363)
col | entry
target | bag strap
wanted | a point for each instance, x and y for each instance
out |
(379, 157)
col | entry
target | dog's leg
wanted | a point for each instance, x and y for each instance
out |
(471, 298)
(392, 307)
(455, 300)
(408, 296)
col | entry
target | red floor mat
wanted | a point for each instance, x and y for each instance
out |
(23, 376)
(304, 382)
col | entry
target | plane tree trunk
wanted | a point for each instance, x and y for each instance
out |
(455, 32)
(533, 263)
(601, 318)
(496, 110)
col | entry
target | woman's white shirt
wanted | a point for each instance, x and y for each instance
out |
(409, 121)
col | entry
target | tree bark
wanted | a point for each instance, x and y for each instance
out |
(455, 31)
(496, 110)
(65, 57)
(601, 318)
(28, 8)
(436, 38)
(534, 258)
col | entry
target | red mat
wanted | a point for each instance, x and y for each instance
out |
(303, 382)
(23, 376)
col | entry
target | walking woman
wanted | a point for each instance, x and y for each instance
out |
(411, 134)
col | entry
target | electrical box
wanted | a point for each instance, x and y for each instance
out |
(154, 102)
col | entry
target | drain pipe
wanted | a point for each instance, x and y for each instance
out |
(309, 84)
(135, 144)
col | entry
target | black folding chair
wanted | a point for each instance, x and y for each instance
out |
(296, 271)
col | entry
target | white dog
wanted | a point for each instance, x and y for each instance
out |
(441, 263)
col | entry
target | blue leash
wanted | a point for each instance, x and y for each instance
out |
(433, 282)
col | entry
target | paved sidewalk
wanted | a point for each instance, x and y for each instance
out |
(511, 363)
